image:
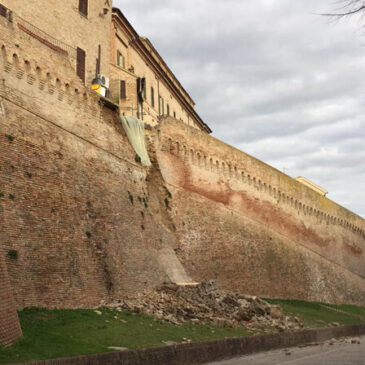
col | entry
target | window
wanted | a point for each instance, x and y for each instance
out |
(83, 7)
(141, 89)
(152, 97)
(120, 59)
(80, 67)
(123, 91)
(175, 115)
(168, 109)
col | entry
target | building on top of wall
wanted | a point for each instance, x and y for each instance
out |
(77, 29)
(312, 185)
(141, 82)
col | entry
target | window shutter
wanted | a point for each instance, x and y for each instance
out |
(123, 92)
(123, 61)
(168, 109)
(2, 10)
(144, 89)
(80, 67)
(83, 7)
(118, 58)
(152, 97)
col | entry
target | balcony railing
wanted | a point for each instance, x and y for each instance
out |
(43, 37)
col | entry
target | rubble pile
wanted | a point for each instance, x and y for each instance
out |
(205, 304)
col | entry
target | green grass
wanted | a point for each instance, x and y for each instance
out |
(316, 315)
(63, 333)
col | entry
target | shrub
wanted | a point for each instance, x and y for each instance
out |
(13, 254)
(166, 202)
(137, 159)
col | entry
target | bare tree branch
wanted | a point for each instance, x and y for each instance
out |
(348, 8)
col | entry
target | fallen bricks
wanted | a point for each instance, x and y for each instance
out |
(204, 303)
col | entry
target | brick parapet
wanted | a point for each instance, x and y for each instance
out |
(242, 170)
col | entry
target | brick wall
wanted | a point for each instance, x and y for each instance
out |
(9, 323)
(85, 218)
(254, 228)
(89, 223)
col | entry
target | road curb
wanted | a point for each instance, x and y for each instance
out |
(204, 352)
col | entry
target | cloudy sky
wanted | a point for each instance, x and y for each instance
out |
(273, 79)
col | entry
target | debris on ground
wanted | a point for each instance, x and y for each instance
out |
(204, 303)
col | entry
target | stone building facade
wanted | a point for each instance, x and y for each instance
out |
(134, 57)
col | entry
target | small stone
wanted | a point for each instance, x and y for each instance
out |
(117, 348)
(98, 312)
(276, 312)
(335, 324)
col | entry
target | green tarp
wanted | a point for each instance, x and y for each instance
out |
(134, 128)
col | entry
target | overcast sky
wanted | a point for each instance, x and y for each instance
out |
(273, 79)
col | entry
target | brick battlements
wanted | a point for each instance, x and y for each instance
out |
(248, 172)
(51, 85)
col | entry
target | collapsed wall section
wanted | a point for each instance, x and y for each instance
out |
(254, 228)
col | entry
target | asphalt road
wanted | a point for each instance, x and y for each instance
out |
(335, 352)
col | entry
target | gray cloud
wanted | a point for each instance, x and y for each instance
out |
(273, 79)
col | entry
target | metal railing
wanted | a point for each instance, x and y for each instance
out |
(44, 37)
(40, 35)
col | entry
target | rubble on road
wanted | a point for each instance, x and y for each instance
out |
(204, 303)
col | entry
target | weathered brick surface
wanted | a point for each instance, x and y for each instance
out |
(254, 228)
(9, 323)
(79, 224)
